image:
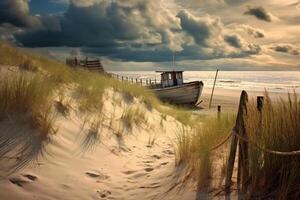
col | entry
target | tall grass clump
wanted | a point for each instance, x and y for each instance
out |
(146, 95)
(13, 56)
(28, 97)
(276, 127)
(90, 90)
(133, 115)
(193, 146)
(90, 85)
(182, 114)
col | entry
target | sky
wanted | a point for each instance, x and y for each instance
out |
(145, 34)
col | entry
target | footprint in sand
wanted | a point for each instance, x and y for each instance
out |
(138, 175)
(66, 187)
(168, 151)
(164, 163)
(156, 157)
(30, 177)
(104, 194)
(151, 186)
(148, 161)
(96, 174)
(149, 169)
(18, 181)
(129, 172)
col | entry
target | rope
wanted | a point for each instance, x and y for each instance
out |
(221, 143)
(290, 153)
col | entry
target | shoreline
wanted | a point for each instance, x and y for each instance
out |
(229, 99)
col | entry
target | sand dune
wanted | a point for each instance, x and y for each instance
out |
(100, 156)
(79, 164)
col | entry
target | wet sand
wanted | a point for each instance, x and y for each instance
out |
(229, 99)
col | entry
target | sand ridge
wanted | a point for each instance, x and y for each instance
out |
(78, 164)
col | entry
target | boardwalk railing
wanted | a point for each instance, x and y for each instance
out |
(151, 83)
(91, 65)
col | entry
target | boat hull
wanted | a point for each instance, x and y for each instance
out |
(187, 93)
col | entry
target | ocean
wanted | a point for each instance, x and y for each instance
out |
(272, 81)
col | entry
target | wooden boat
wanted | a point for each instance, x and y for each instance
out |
(174, 90)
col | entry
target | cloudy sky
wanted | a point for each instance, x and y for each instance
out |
(145, 34)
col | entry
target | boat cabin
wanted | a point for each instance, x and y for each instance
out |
(171, 78)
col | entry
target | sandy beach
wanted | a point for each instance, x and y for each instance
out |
(118, 162)
(77, 164)
(229, 98)
(149, 100)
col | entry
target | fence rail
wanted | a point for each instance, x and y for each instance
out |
(152, 83)
(240, 141)
(92, 65)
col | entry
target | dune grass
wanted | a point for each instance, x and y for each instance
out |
(277, 127)
(30, 97)
(90, 84)
(133, 115)
(13, 56)
(193, 145)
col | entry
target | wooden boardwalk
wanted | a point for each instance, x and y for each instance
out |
(91, 65)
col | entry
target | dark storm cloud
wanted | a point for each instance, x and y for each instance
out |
(96, 25)
(200, 29)
(257, 33)
(260, 13)
(189, 52)
(233, 40)
(135, 31)
(16, 12)
(287, 48)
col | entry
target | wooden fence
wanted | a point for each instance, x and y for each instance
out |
(91, 65)
(151, 83)
(240, 142)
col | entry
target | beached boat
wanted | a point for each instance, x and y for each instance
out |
(173, 89)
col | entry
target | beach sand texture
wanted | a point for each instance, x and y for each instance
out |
(79, 164)
(118, 162)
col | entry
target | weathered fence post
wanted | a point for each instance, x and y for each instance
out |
(238, 129)
(219, 111)
(150, 82)
(243, 164)
(141, 82)
(122, 78)
(131, 80)
(213, 89)
(136, 80)
(147, 82)
(260, 103)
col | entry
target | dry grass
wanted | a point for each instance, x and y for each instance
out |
(30, 97)
(29, 66)
(90, 90)
(12, 56)
(133, 115)
(194, 144)
(277, 127)
(151, 140)
(91, 86)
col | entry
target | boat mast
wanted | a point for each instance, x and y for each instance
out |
(173, 61)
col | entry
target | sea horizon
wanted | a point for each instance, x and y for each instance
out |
(272, 81)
